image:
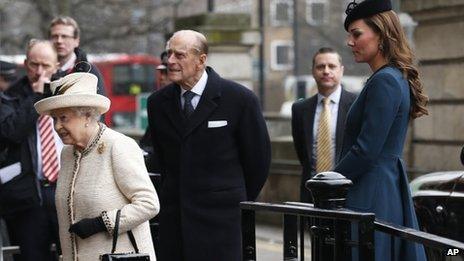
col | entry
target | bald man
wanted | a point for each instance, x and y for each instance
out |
(26, 199)
(213, 150)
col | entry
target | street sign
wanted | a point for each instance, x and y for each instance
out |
(141, 121)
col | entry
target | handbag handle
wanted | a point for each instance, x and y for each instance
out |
(116, 231)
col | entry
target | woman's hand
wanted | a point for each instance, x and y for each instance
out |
(87, 227)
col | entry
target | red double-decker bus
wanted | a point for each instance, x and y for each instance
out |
(125, 77)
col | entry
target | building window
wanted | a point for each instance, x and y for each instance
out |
(317, 12)
(281, 12)
(281, 55)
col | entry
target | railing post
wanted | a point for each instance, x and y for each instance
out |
(329, 190)
(366, 239)
(290, 237)
(248, 235)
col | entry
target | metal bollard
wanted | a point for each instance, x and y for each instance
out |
(329, 190)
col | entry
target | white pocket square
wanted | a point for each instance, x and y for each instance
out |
(216, 124)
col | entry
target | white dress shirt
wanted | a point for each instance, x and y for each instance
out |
(197, 89)
(70, 63)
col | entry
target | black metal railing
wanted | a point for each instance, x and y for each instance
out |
(336, 233)
(437, 248)
(320, 236)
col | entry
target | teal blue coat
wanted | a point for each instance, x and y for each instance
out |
(372, 158)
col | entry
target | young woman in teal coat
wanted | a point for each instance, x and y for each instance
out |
(377, 124)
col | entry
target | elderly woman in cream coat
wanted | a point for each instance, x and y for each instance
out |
(102, 171)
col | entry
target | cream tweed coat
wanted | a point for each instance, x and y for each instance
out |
(109, 175)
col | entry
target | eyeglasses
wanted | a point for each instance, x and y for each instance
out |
(62, 36)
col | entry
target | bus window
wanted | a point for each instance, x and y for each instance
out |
(121, 79)
(133, 79)
(145, 76)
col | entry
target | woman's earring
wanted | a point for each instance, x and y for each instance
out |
(381, 47)
(87, 125)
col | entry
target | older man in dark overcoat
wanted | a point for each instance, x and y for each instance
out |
(214, 152)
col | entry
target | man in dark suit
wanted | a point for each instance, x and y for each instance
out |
(327, 71)
(214, 152)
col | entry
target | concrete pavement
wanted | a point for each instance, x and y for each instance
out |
(269, 243)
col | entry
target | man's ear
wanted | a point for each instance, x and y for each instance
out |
(203, 59)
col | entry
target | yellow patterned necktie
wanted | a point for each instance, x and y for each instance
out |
(324, 146)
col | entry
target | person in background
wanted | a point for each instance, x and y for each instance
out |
(7, 75)
(163, 70)
(29, 173)
(102, 171)
(377, 124)
(65, 34)
(313, 123)
(145, 142)
(213, 150)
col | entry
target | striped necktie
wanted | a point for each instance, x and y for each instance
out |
(50, 165)
(324, 145)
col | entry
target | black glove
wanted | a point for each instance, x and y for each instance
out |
(87, 227)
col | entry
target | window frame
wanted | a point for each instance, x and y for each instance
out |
(274, 63)
(309, 19)
(273, 12)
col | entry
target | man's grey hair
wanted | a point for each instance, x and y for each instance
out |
(33, 42)
(200, 45)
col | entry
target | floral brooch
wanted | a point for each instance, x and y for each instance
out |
(101, 148)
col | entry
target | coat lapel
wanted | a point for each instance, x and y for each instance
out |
(208, 102)
(171, 107)
(308, 125)
(343, 108)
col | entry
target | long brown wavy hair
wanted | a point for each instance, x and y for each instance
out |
(396, 50)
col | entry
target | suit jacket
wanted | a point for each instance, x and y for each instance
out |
(372, 158)
(303, 113)
(207, 168)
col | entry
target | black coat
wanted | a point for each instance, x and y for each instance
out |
(303, 113)
(81, 65)
(207, 171)
(18, 132)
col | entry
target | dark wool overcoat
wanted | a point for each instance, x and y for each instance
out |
(209, 163)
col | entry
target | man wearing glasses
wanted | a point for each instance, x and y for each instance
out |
(65, 34)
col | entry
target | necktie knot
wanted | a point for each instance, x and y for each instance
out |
(188, 96)
(326, 101)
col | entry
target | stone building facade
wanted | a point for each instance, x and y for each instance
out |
(438, 138)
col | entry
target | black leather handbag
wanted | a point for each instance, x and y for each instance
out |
(124, 256)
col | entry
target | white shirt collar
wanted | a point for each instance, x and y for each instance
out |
(199, 86)
(70, 63)
(334, 97)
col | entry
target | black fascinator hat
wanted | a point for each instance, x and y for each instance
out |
(367, 8)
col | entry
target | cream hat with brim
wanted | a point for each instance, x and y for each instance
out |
(74, 90)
